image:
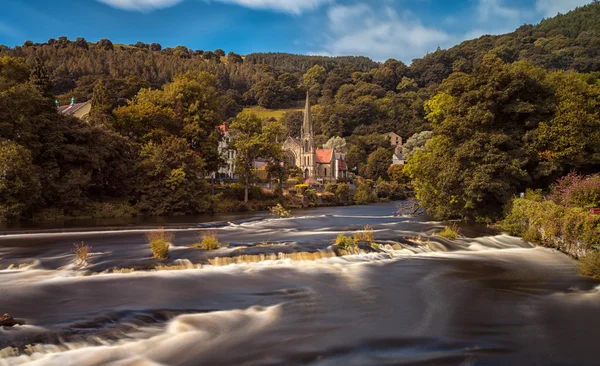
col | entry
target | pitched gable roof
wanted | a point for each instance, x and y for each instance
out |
(324, 156)
(224, 128)
(69, 109)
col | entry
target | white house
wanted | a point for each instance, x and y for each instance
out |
(227, 153)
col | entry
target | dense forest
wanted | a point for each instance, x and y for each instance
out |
(148, 134)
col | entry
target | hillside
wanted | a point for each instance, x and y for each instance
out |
(568, 41)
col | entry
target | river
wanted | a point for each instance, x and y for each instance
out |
(485, 299)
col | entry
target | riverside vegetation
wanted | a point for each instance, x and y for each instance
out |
(480, 120)
(562, 220)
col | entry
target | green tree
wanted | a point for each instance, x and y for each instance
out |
(19, 182)
(336, 143)
(40, 79)
(378, 164)
(171, 179)
(100, 109)
(252, 141)
(292, 121)
(478, 157)
(313, 81)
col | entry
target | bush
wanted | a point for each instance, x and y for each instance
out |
(390, 190)
(159, 242)
(81, 252)
(311, 196)
(345, 242)
(578, 191)
(449, 232)
(590, 264)
(160, 249)
(364, 195)
(342, 193)
(301, 188)
(279, 211)
(364, 236)
(209, 241)
(331, 188)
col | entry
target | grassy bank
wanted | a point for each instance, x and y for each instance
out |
(570, 229)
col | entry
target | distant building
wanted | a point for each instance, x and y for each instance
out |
(79, 110)
(227, 153)
(322, 165)
(396, 141)
(398, 159)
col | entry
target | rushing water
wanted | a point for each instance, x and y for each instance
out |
(485, 299)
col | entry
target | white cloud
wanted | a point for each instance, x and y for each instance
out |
(379, 34)
(286, 6)
(141, 5)
(550, 8)
(494, 9)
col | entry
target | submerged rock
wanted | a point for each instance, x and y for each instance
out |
(8, 321)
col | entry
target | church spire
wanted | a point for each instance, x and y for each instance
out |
(307, 128)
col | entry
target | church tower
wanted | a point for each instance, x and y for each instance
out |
(308, 157)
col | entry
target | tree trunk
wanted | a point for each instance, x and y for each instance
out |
(246, 187)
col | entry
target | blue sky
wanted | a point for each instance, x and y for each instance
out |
(380, 29)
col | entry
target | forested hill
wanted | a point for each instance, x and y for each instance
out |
(567, 41)
(291, 63)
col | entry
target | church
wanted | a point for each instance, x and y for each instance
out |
(318, 165)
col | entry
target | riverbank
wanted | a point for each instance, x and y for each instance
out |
(226, 202)
(574, 231)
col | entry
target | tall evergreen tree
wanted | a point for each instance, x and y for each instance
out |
(40, 79)
(100, 111)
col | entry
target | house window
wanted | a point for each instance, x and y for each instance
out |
(325, 172)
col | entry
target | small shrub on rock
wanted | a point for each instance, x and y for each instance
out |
(449, 232)
(160, 240)
(345, 242)
(209, 241)
(279, 211)
(160, 249)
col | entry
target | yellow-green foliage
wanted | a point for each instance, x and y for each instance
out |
(590, 264)
(530, 217)
(301, 188)
(364, 236)
(270, 113)
(160, 249)
(345, 242)
(364, 195)
(279, 211)
(449, 232)
(209, 241)
(159, 242)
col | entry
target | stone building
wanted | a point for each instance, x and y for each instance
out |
(322, 165)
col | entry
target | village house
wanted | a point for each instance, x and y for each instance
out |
(318, 165)
(79, 110)
(227, 153)
(396, 141)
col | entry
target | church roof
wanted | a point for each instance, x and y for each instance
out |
(69, 109)
(342, 165)
(223, 128)
(324, 156)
